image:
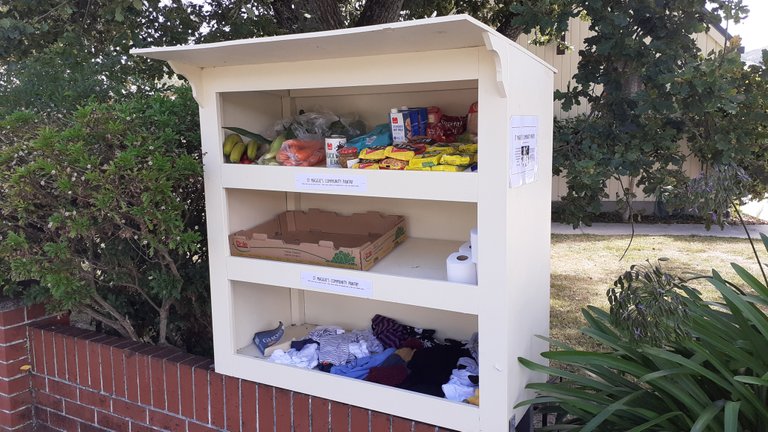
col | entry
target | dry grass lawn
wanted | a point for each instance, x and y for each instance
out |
(585, 266)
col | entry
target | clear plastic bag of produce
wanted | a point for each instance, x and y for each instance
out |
(301, 152)
(319, 124)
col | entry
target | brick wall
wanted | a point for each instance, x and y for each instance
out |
(16, 411)
(86, 381)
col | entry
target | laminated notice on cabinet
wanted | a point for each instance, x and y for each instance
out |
(337, 284)
(523, 163)
(331, 182)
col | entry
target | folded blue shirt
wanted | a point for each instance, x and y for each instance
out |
(359, 367)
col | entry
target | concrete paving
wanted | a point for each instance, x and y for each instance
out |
(736, 231)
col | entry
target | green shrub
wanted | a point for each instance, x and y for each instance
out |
(103, 213)
(705, 370)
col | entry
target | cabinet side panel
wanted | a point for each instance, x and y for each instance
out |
(252, 111)
(529, 210)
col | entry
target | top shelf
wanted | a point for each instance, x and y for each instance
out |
(422, 185)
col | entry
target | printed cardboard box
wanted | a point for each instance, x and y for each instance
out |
(357, 241)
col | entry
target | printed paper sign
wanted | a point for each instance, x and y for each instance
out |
(337, 284)
(523, 164)
(331, 182)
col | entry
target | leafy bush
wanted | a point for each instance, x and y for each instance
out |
(102, 213)
(710, 373)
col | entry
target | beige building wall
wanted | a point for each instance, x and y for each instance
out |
(567, 65)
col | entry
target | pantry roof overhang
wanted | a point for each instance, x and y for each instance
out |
(441, 33)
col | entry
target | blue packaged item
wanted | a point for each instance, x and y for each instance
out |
(423, 120)
(412, 124)
(381, 135)
(267, 338)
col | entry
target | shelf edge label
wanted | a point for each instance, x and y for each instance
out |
(331, 182)
(337, 284)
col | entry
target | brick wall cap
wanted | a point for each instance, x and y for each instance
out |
(7, 303)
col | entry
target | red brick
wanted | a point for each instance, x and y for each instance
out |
(111, 422)
(131, 376)
(118, 367)
(135, 427)
(217, 399)
(17, 401)
(50, 357)
(37, 351)
(12, 317)
(14, 385)
(63, 389)
(41, 415)
(232, 398)
(166, 422)
(61, 422)
(14, 351)
(197, 427)
(172, 386)
(380, 422)
(186, 392)
(82, 362)
(13, 334)
(401, 425)
(39, 382)
(157, 378)
(79, 411)
(61, 356)
(300, 412)
(49, 401)
(423, 427)
(129, 410)
(94, 364)
(201, 394)
(13, 368)
(358, 419)
(35, 311)
(265, 407)
(70, 350)
(248, 406)
(94, 399)
(339, 416)
(107, 381)
(282, 409)
(320, 414)
(85, 427)
(145, 383)
(17, 418)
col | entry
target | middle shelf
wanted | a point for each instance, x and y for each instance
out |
(414, 274)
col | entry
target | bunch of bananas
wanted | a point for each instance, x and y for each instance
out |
(259, 151)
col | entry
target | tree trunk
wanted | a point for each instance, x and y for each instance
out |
(162, 330)
(328, 14)
(285, 15)
(507, 29)
(379, 12)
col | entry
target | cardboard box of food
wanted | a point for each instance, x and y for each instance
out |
(357, 241)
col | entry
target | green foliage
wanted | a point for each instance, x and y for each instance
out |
(712, 377)
(649, 88)
(646, 305)
(101, 213)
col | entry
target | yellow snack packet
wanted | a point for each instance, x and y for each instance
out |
(366, 165)
(458, 159)
(468, 148)
(417, 168)
(373, 153)
(399, 153)
(444, 149)
(426, 160)
(448, 168)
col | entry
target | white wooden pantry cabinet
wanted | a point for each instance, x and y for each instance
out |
(449, 62)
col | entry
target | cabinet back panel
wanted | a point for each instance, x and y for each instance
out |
(253, 111)
(426, 219)
(248, 208)
(356, 313)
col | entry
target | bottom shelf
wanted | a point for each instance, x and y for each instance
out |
(424, 408)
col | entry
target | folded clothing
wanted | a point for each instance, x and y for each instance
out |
(304, 358)
(359, 367)
(335, 348)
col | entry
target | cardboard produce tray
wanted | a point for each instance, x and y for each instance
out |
(357, 241)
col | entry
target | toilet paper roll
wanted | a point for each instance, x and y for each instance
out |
(466, 249)
(473, 242)
(460, 268)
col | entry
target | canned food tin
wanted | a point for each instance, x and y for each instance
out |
(332, 145)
